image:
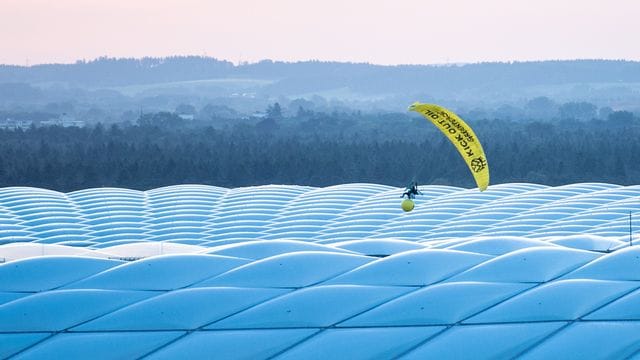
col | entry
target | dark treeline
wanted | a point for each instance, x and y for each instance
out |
(161, 150)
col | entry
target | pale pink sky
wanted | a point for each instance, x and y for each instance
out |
(375, 31)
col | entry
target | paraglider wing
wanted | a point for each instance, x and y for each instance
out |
(461, 136)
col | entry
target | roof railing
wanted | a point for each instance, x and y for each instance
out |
(126, 258)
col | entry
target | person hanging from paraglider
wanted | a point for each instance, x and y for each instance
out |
(411, 191)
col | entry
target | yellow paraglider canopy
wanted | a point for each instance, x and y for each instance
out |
(461, 136)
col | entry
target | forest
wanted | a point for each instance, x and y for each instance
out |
(317, 149)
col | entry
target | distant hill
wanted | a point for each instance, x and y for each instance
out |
(308, 75)
(603, 82)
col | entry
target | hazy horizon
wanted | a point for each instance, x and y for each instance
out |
(410, 32)
(211, 56)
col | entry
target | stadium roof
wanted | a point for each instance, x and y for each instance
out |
(521, 270)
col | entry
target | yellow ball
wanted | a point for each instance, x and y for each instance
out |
(407, 205)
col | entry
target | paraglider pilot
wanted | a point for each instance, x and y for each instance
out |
(411, 191)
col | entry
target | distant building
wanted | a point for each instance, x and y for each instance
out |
(63, 120)
(10, 124)
(259, 115)
(189, 117)
(50, 122)
(250, 95)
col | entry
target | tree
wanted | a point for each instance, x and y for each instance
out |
(162, 119)
(578, 110)
(274, 111)
(267, 125)
(621, 118)
(306, 105)
(604, 112)
(210, 111)
(541, 108)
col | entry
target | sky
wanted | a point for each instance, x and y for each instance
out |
(373, 31)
